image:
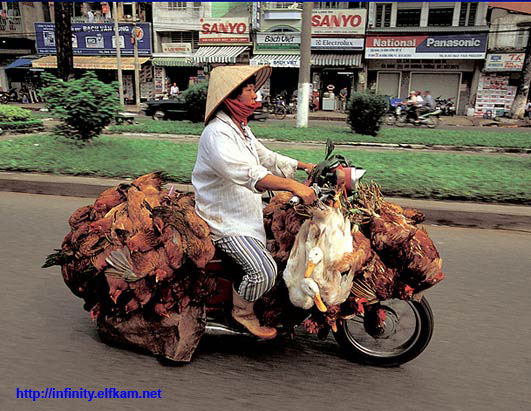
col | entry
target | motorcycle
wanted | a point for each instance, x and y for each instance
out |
(393, 112)
(429, 118)
(446, 106)
(363, 337)
(9, 96)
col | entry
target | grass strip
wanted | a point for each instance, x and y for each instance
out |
(418, 175)
(286, 131)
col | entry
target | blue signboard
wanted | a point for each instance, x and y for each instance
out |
(96, 39)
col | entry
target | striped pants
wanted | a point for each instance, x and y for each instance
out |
(260, 269)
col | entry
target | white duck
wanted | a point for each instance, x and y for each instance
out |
(312, 274)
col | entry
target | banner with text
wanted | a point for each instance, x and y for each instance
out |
(225, 30)
(96, 38)
(433, 46)
(337, 21)
(505, 62)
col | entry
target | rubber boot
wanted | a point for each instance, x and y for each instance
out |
(243, 313)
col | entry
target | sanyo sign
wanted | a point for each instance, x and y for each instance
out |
(224, 30)
(348, 21)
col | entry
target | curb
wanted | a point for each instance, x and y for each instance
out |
(447, 213)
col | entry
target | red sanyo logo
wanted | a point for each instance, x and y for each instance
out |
(226, 27)
(336, 20)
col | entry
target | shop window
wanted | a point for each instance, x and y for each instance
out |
(467, 16)
(127, 9)
(440, 16)
(176, 5)
(284, 5)
(356, 5)
(408, 18)
(383, 15)
(191, 37)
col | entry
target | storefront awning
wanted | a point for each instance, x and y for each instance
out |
(350, 60)
(91, 62)
(180, 61)
(276, 60)
(218, 54)
(22, 63)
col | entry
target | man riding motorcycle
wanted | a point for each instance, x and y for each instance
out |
(232, 169)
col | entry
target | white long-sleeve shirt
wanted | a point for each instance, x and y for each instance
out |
(228, 166)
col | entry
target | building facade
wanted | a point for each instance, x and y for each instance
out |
(438, 47)
(508, 38)
(337, 43)
(17, 42)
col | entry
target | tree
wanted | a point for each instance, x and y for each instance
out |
(522, 92)
(63, 39)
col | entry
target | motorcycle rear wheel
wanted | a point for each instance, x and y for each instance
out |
(412, 334)
(432, 121)
(390, 119)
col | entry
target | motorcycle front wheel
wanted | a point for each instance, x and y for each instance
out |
(280, 113)
(403, 335)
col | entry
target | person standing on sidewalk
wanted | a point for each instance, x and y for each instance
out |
(232, 170)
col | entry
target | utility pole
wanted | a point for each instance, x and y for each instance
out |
(135, 50)
(63, 39)
(117, 43)
(303, 94)
(522, 92)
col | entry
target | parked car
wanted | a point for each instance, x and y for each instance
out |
(170, 109)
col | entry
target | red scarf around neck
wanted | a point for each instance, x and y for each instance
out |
(239, 111)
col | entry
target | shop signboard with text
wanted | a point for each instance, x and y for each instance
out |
(96, 38)
(225, 30)
(179, 48)
(505, 62)
(338, 21)
(329, 43)
(433, 46)
(278, 41)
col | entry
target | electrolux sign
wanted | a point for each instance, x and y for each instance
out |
(461, 46)
(96, 38)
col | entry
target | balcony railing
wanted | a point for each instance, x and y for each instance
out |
(11, 24)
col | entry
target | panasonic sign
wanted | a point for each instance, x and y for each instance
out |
(473, 42)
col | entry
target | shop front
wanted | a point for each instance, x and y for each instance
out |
(280, 50)
(94, 48)
(448, 65)
(337, 45)
(223, 41)
(498, 83)
(175, 65)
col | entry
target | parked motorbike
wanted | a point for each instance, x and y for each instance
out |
(401, 337)
(9, 96)
(429, 118)
(446, 106)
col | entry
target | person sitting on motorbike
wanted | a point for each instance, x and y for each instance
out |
(412, 106)
(428, 100)
(232, 170)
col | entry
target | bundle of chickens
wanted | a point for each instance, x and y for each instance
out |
(137, 258)
(385, 255)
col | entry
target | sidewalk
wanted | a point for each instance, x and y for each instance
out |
(492, 216)
(445, 121)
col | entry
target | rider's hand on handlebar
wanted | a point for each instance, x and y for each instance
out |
(305, 193)
(307, 167)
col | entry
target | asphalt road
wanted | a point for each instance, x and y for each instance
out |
(479, 357)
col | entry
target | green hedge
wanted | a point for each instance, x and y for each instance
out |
(20, 125)
(13, 113)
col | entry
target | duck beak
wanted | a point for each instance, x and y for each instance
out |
(309, 269)
(334, 327)
(319, 303)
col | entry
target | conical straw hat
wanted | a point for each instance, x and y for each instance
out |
(224, 80)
